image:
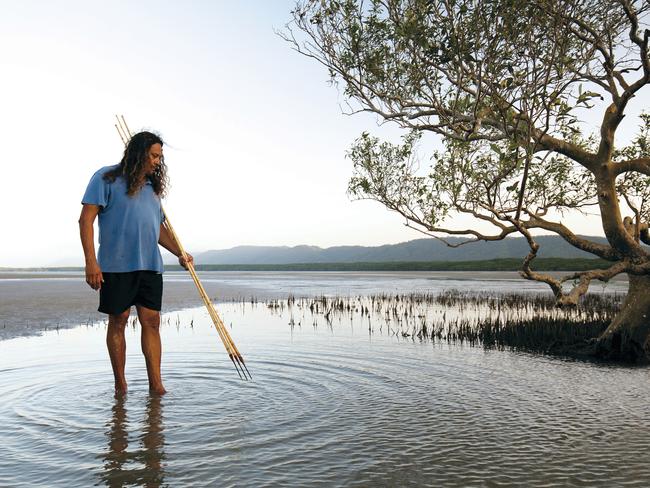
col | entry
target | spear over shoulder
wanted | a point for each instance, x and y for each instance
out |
(231, 349)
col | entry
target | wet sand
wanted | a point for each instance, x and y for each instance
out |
(31, 303)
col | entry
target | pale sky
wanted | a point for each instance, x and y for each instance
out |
(255, 136)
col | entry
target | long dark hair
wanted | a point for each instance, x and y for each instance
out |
(132, 166)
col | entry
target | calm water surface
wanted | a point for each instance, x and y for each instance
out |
(330, 405)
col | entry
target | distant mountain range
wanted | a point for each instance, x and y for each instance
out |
(415, 250)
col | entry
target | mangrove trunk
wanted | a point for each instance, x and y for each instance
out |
(628, 336)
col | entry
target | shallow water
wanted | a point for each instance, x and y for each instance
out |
(330, 405)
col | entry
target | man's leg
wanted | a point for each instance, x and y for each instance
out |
(151, 346)
(116, 344)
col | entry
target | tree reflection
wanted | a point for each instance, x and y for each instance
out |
(144, 464)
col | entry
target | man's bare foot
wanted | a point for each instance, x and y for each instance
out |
(157, 390)
(120, 389)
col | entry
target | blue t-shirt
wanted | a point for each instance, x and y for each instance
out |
(129, 226)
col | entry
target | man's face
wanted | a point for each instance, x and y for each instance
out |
(153, 158)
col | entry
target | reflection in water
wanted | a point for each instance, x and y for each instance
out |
(143, 464)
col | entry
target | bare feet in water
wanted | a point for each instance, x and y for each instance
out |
(157, 390)
(120, 389)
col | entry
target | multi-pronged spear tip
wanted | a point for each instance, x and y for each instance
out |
(231, 349)
(246, 368)
(238, 362)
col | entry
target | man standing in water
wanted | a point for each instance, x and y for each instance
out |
(128, 268)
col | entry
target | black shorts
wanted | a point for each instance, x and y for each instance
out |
(121, 290)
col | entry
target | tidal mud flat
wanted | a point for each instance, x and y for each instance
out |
(33, 302)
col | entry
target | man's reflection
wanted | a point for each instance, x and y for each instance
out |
(153, 442)
(144, 464)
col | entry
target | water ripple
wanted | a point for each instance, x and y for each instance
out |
(328, 407)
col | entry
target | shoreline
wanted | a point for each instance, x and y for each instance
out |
(496, 264)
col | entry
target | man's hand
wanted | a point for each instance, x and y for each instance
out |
(94, 275)
(184, 262)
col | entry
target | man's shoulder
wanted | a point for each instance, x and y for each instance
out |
(105, 169)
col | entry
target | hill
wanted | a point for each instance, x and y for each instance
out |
(412, 251)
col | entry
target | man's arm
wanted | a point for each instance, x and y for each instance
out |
(168, 243)
(86, 220)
